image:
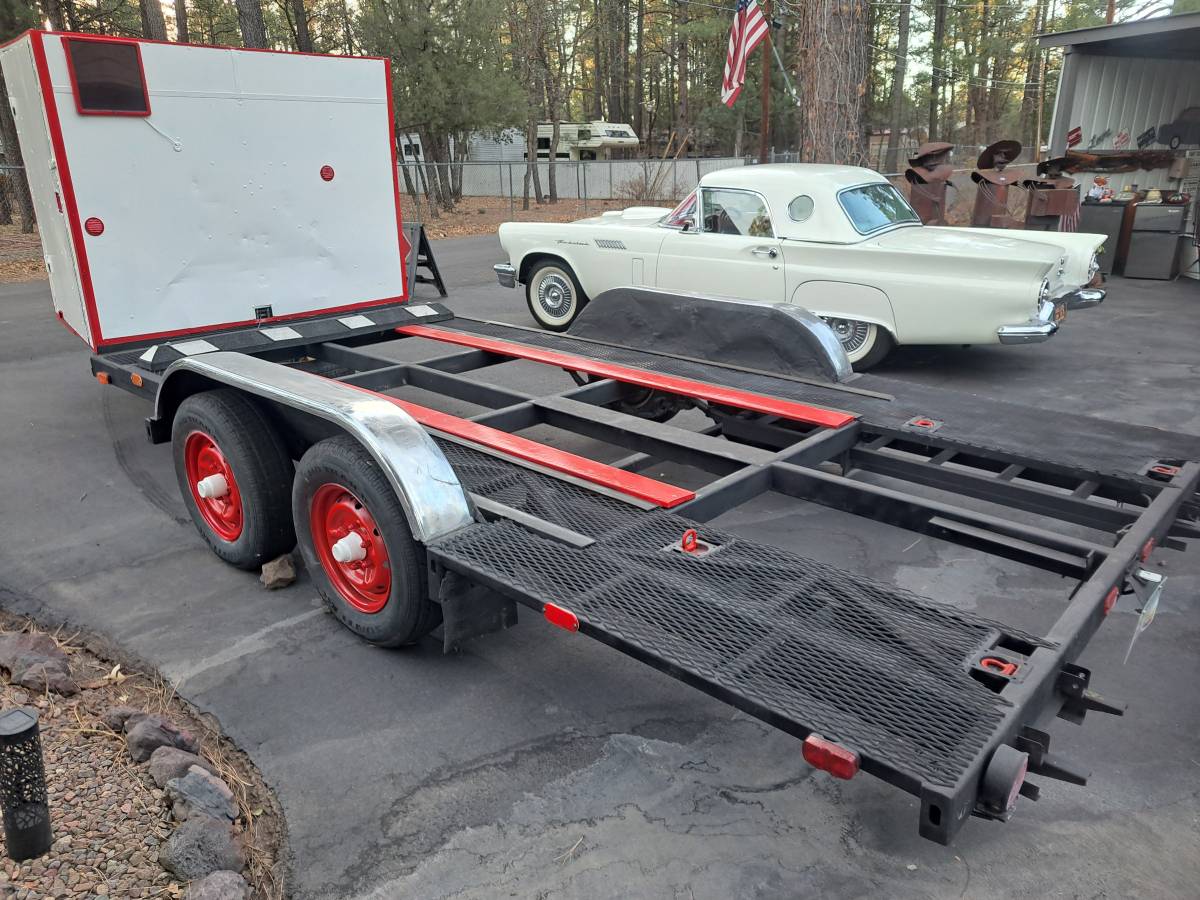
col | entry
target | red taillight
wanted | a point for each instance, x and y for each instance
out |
(563, 618)
(1017, 782)
(1147, 549)
(94, 227)
(830, 757)
(1111, 600)
(327, 173)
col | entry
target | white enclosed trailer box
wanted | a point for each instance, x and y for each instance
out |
(182, 189)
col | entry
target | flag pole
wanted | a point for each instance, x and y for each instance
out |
(765, 129)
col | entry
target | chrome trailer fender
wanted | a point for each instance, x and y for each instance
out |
(430, 493)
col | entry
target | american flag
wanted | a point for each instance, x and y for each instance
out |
(749, 28)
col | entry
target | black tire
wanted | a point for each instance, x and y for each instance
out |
(548, 311)
(262, 471)
(407, 614)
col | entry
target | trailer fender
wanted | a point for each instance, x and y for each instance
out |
(432, 497)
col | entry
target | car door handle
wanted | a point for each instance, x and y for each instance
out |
(769, 252)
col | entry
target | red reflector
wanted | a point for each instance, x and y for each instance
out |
(327, 173)
(563, 618)
(830, 757)
(1111, 600)
(94, 227)
(1147, 549)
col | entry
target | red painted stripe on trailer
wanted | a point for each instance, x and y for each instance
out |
(629, 483)
(787, 409)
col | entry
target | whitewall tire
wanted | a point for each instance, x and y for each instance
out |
(866, 344)
(554, 295)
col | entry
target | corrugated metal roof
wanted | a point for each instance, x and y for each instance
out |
(1162, 35)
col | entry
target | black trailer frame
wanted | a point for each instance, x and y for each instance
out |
(1096, 528)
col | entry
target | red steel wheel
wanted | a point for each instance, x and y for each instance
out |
(350, 547)
(213, 486)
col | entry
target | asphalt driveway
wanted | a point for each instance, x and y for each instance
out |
(535, 763)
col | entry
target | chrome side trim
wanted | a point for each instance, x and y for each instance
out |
(505, 274)
(432, 497)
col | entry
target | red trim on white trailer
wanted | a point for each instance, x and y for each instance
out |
(50, 105)
(786, 409)
(392, 138)
(74, 219)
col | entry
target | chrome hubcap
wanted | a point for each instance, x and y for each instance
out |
(852, 334)
(554, 294)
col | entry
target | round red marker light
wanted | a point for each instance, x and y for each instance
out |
(327, 173)
(94, 227)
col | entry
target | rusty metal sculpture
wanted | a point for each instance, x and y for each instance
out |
(992, 183)
(1052, 198)
(928, 176)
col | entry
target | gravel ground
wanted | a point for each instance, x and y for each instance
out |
(107, 815)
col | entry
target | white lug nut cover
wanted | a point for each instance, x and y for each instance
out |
(349, 549)
(212, 487)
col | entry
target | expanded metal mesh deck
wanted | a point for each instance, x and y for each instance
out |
(1107, 447)
(805, 645)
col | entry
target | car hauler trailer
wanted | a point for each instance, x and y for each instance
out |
(410, 515)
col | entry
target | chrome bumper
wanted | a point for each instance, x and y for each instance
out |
(1084, 298)
(506, 275)
(1040, 328)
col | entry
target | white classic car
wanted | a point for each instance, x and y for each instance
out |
(840, 241)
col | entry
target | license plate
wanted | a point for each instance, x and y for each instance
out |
(1060, 313)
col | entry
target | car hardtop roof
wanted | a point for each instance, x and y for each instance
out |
(798, 177)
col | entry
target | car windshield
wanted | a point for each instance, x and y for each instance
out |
(875, 206)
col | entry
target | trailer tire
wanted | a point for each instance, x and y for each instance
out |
(224, 433)
(341, 496)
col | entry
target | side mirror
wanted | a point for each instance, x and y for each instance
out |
(688, 225)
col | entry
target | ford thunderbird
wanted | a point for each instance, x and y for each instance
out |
(840, 241)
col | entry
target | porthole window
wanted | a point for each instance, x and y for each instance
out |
(800, 208)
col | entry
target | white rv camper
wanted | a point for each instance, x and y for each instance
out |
(183, 188)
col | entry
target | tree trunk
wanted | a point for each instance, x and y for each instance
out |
(1033, 86)
(56, 14)
(597, 55)
(250, 20)
(938, 63)
(12, 157)
(898, 71)
(834, 57)
(347, 33)
(303, 39)
(181, 23)
(681, 52)
(639, 84)
(154, 26)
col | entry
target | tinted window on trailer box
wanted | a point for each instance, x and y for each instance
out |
(107, 77)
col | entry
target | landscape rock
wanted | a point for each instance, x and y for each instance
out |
(218, 886)
(200, 793)
(42, 673)
(151, 732)
(171, 762)
(117, 717)
(200, 847)
(14, 646)
(278, 573)
(35, 661)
